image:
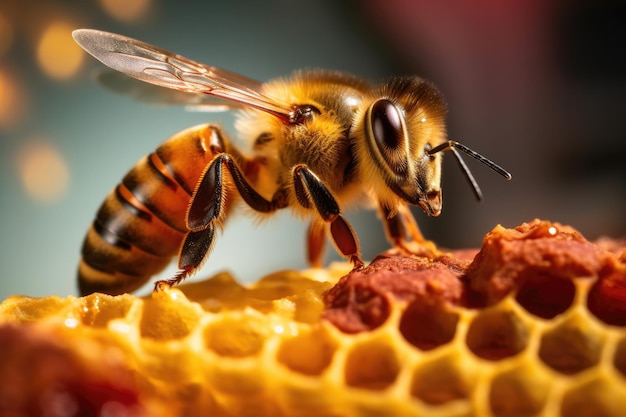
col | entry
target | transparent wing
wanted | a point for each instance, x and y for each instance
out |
(152, 94)
(157, 66)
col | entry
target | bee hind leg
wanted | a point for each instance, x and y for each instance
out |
(194, 251)
(312, 193)
(208, 208)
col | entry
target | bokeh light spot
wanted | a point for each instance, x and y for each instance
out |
(125, 10)
(12, 99)
(43, 171)
(57, 53)
(6, 34)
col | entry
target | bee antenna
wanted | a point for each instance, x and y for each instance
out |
(452, 145)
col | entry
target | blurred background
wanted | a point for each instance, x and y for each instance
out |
(538, 86)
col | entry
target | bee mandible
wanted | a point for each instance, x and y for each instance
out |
(320, 141)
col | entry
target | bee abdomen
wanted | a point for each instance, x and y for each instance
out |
(127, 241)
(114, 268)
(141, 224)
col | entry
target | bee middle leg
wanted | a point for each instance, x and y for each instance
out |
(208, 208)
(316, 237)
(312, 193)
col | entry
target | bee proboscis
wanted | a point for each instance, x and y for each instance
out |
(320, 141)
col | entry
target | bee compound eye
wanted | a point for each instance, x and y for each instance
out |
(386, 122)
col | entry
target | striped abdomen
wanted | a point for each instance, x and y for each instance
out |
(141, 224)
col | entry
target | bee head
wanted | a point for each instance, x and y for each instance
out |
(400, 130)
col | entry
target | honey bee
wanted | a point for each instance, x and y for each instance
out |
(320, 141)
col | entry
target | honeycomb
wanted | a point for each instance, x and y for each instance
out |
(533, 324)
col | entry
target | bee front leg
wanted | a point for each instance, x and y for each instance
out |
(312, 193)
(395, 221)
(399, 224)
(208, 207)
